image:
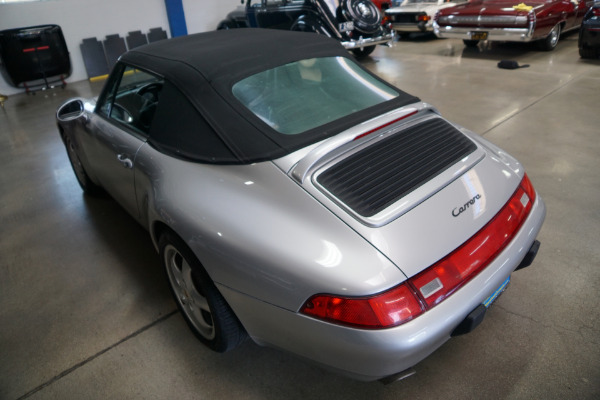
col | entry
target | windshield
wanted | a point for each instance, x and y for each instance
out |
(304, 95)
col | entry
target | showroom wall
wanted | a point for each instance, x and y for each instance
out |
(81, 19)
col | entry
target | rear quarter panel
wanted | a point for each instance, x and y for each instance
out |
(257, 232)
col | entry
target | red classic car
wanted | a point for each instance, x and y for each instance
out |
(504, 20)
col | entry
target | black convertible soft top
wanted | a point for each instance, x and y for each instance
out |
(212, 125)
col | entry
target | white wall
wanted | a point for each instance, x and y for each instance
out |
(205, 15)
(81, 19)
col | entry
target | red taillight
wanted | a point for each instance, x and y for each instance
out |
(427, 289)
(450, 273)
(391, 308)
(528, 188)
(596, 12)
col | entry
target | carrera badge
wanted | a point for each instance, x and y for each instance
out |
(459, 210)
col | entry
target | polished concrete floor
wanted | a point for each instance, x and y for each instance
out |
(85, 312)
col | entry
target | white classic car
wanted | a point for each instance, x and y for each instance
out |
(408, 16)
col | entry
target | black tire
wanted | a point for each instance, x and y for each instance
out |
(203, 307)
(588, 53)
(364, 52)
(83, 178)
(550, 42)
(470, 43)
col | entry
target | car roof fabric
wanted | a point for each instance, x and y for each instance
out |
(205, 66)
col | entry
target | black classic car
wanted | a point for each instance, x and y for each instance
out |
(589, 34)
(357, 24)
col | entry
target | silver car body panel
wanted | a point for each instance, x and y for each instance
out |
(374, 354)
(269, 248)
(404, 232)
(270, 237)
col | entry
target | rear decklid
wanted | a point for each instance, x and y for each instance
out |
(479, 9)
(428, 7)
(416, 188)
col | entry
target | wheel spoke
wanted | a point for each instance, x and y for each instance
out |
(186, 275)
(199, 313)
(176, 272)
(200, 301)
(201, 305)
(193, 303)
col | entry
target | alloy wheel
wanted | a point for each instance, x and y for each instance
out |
(189, 293)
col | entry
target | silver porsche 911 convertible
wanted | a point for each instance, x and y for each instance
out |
(298, 199)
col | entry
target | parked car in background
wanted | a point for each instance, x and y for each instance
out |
(356, 24)
(382, 4)
(407, 16)
(589, 34)
(296, 198)
(541, 21)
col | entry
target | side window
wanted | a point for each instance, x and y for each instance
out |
(131, 98)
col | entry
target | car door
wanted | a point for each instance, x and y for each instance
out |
(124, 115)
(571, 8)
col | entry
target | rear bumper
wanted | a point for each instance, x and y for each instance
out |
(406, 27)
(376, 354)
(476, 316)
(493, 34)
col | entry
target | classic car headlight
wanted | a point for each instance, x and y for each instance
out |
(432, 286)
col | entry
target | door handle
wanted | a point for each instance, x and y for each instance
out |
(127, 163)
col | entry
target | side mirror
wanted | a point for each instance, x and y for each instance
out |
(71, 110)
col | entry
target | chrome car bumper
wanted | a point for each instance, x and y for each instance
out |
(493, 34)
(400, 27)
(387, 39)
(378, 354)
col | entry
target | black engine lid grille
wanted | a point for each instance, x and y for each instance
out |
(376, 177)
